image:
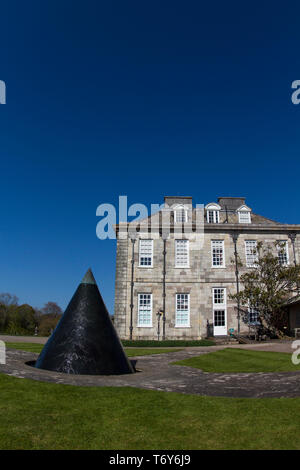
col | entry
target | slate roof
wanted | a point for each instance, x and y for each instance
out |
(228, 214)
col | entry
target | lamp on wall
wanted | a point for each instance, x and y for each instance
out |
(159, 315)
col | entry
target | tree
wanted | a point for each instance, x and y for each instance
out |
(26, 318)
(51, 308)
(267, 286)
(22, 319)
(8, 299)
(4, 317)
(48, 317)
(47, 324)
(17, 319)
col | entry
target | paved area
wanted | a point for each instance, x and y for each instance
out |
(24, 339)
(157, 373)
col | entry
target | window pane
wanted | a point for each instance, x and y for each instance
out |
(219, 317)
(217, 253)
(244, 217)
(213, 217)
(282, 248)
(182, 309)
(144, 309)
(180, 215)
(146, 252)
(251, 252)
(219, 296)
(253, 314)
(181, 253)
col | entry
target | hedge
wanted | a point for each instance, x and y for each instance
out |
(167, 343)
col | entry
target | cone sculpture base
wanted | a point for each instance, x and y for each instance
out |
(85, 340)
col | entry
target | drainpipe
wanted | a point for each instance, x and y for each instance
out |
(226, 218)
(131, 288)
(164, 237)
(235, 236)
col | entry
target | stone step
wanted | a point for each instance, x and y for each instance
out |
(224, 340)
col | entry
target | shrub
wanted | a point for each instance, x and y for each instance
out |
(167, 343)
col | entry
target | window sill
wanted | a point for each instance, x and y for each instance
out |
(144, 326)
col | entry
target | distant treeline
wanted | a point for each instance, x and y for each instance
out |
(24, 319)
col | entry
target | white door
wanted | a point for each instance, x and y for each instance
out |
(219, 311)
(220, 322)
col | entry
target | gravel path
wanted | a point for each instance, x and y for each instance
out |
(157, 373)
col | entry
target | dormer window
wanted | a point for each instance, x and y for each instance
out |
(213, 217)
(180, 214)
(212, 213)
(244, 217)
(244, 214)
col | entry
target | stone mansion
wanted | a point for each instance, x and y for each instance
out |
(181, 279)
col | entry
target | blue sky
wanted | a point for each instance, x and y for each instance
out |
(143, 99)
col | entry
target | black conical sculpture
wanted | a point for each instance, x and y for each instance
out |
(85, 340)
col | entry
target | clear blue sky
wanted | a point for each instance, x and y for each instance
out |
(143, 99)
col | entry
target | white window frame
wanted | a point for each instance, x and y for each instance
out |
(141, 255)
(186, 325)
(182, 210)
(220, 306)
(286, 247)
(249, 264)
(143, 325)
(252, 311)
(187, 265)
(212, 254)
(244, 221)
(215, 216)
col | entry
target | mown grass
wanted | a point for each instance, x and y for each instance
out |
(241, 360)
(37, 415)
(36, 348)
(31, 347)
(133, 352)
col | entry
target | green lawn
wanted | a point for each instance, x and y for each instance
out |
(38, 415)
(31, 347)
(132, 352)
(241, 360)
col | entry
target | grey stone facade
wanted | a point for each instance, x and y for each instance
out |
(200, 277)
